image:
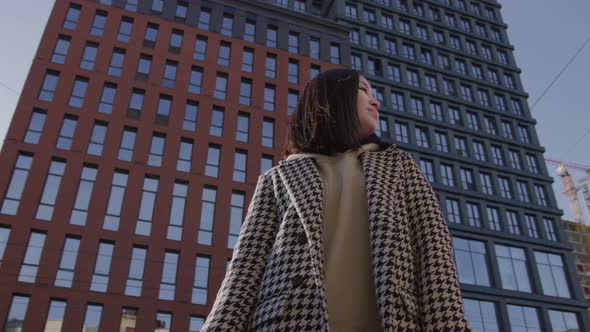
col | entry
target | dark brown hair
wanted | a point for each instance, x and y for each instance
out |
(326, 120)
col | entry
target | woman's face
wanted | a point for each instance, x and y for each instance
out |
(367, 108)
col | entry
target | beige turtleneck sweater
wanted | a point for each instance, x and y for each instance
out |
(350, 291)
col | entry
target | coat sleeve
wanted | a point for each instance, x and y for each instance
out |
(439, 297)
(236, 298)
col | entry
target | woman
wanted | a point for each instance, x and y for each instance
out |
(345, 234)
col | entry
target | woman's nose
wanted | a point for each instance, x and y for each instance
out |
(376, 103)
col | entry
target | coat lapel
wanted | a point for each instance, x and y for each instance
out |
(306, 191)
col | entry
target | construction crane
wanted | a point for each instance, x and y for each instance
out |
(568, 183)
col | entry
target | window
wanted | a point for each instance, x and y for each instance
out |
(455, 42)
(293, 42)
(314, 70)
(422, 137)
(552, 274)
(493, 219)
(484, 98)
(563, 321)
(430, 83)
(271, 66)
(169, 74)
(512, 265)
(512, 222)
(72, 16)
(227, 25)
(412, 77)
(271, 36)
(467, 179)
(212, 167)
(35, 126)
(292, 98)
(479, 151)
(293, 73)
(164, 321)
(502, 57)
(98, 23)
(505, 189)
(473, 217)
(116, 65)
(549, 229)
(523, 192)
(247, 59)
(524, 134)
(350, 10)
(190, 116)
(509, 79)
(200, 48)
(208, 199)
(201, 281)
(30, 265)
(373, 66)
(394, 72)
(401, 132)
(416, 106)
(269, 98)
(181, 9)
(472, 49)
(67, 263)
(100, 276)
(66, 134)
(486, 183)
(245, 91)
(500, 103)
(408, 51)
(196, 80)
(427, 169)
(83, 196)
(471, 258)
(147, 205)
(449, 87)
(441, 141)
(422, 32)
(107, 98)
(268, 133)
(92, 317)
(356, 62)
(250, 30)
(216, 126)
(494, 77)
(242, 127)
(453, 213)
(143, 67)
(426, 57)
(116, 197)
(372, 40)
(127, 144)
(134, 281)
(185, 154)
(158, 5)
(220, 86)
(61, 49)
(382, 128)
(461, 146)
(4, 234)
(156, 153)
(439, 37)
(497, 156)
(466, 93)
(151, 35)
(490, 125)
(265, 163)
(168, 281)
(387, 22)
(236, 217)
(446, 174)
(455, 116)
(224, 54)
(179, 193)
(335, 53)
(18, 311)
(369, 16)
(50, 190)
(128, 319)
(131, 5)
(507, 130)
(523, 318)
(125, 29)
(481, 315)
(514, 157)
(531, 225)
(78, 92)
(204, 18)
(240, 158)
(516, 106)
(314, 45)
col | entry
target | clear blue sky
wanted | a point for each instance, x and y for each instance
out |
(545, 33)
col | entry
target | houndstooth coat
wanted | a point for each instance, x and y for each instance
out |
(275, 281)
